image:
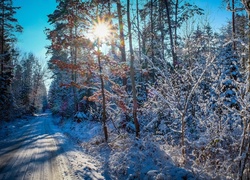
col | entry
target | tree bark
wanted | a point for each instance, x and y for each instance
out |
(176, 22)
(132, 73)
(233, 24)
(2, 38)
(247, 7)
(161, 24)
(104, 116)
(152, 35)
(138, 34)
(244, 148)
(112, 39)
(73, 61)
(248, 52)
(122, 41)
(170, 34)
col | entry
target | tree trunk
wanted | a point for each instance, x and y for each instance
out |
(176, 22)
(112, 39)
(248, 52)
(2, 38)
(152, 35)
(132, 73)
(233, 24)
(244, 148)
(170, 34)
(161, 24)
(247, 7)
(104, 116)
(75, 74)
(138, 34)
(122, 41)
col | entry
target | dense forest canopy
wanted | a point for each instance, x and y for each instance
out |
(149, 67)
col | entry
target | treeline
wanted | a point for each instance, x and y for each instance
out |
(21, 77)
(160, 73)
(28, 86)
(74, 59)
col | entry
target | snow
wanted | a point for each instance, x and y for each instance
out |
(43, 151)
(81, 115)
(85, 155)
(81, 153)
(123, 156)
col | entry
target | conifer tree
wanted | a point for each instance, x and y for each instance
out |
(8, 26)
(69, 20)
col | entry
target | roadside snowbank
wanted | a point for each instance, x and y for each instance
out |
(124, 156)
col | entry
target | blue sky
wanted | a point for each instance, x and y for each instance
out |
(216, 11)
(33, 17)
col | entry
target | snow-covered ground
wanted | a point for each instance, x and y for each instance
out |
(43, 148)
(33, 148)
(124, 156)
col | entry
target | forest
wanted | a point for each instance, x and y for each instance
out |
(153, 73)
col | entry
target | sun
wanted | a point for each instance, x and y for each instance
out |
(101, 30)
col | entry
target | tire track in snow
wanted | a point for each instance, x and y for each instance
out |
(36, 155)
(14, 158)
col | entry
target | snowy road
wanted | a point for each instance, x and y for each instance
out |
(38, 150)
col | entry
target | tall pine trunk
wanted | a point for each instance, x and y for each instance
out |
(152, 39)
(233, 24)
(167, 4)
(121, 34)
(161, 25)
(73, 60)
(176, 22)
(245, 141)
(104, 116)
(2, 38)
(132, 73)
(75, 74)
(248, 63)
(247, 7)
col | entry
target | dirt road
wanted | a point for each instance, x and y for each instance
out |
(33, 151)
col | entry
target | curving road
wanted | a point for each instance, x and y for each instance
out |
(34, 150)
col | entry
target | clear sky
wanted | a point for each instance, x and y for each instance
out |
(216, 12)
(33, 17)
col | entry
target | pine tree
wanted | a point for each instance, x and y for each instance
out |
(8, 26)
(69, 20)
